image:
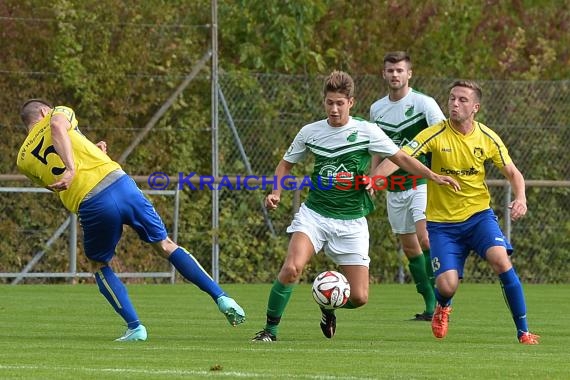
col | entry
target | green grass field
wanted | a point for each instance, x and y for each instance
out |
(67, 332)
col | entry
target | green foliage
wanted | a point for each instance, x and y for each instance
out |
(282, 42)
(117, 62)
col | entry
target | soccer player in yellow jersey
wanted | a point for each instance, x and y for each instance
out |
(460, 221)
(57, 156)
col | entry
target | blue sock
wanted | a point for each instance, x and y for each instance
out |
(116, 293)
(514, 297)
(443, 301)
(191, 270)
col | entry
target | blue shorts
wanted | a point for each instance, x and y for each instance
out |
(450, 243)
(102, 218)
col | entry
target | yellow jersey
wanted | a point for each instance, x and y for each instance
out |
(463, 158)
(39, 161)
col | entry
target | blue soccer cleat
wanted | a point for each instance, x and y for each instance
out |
(233, 312)
(133, 335)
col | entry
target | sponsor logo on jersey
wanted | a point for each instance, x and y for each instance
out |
(336, 172)
(470, 171)
(409, 111)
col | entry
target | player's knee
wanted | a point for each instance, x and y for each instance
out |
(446, 286)
(424, 242)
(359, 299)
(289, 274)
(94, 266)
(165, 247)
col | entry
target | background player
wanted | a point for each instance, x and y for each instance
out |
(402, 114)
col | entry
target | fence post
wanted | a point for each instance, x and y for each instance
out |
(175, 228)
(73, 247)
(507, 213)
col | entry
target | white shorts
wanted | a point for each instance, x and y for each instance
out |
(405, 208)
(346, 242)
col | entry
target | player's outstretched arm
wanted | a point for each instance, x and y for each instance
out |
(410, 164)
(384, 169)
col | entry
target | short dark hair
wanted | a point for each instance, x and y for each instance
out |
(398, 56)
(31, 108)
(339, 81)
(469, 84)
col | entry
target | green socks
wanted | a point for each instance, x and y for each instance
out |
(278, 300)
(429, 268)
(423, 282)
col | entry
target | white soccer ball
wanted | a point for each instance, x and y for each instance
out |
(331, 289)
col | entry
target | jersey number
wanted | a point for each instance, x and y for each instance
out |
(43, 156)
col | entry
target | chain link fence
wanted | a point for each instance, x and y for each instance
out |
(266, 111)
(259, 117)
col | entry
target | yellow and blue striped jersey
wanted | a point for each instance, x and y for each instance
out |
(463, 158)
(39, 161)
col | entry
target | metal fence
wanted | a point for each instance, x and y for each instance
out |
(531, 117)
(259, 116)
(65, 238)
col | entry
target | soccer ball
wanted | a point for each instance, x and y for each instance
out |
(331, 290)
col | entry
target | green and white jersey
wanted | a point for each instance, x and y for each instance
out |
(403, 120)
(342, 158)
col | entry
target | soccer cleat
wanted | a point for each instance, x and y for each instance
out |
(233, 312)
(133, 335)
(328, 323)
(264, 336)
(422, 317)
(529, 338)
(440, 321)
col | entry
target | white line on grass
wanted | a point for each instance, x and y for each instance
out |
(173, 372)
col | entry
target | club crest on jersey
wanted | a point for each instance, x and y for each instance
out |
(478, 152)
(413, 144)
(409, 111)
(352, 136)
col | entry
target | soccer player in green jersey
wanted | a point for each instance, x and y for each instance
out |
(402, 114)
(333, 216)
(55, 155)
(463, 221)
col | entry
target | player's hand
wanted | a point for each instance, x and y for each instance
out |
(518, 209)
(445, 180)
(370, 189)
(102, 145)
(64, 182)
(272, 201)
(375, 184)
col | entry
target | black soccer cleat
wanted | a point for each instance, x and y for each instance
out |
(264, 336)
(328, 323)
(422, 317)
